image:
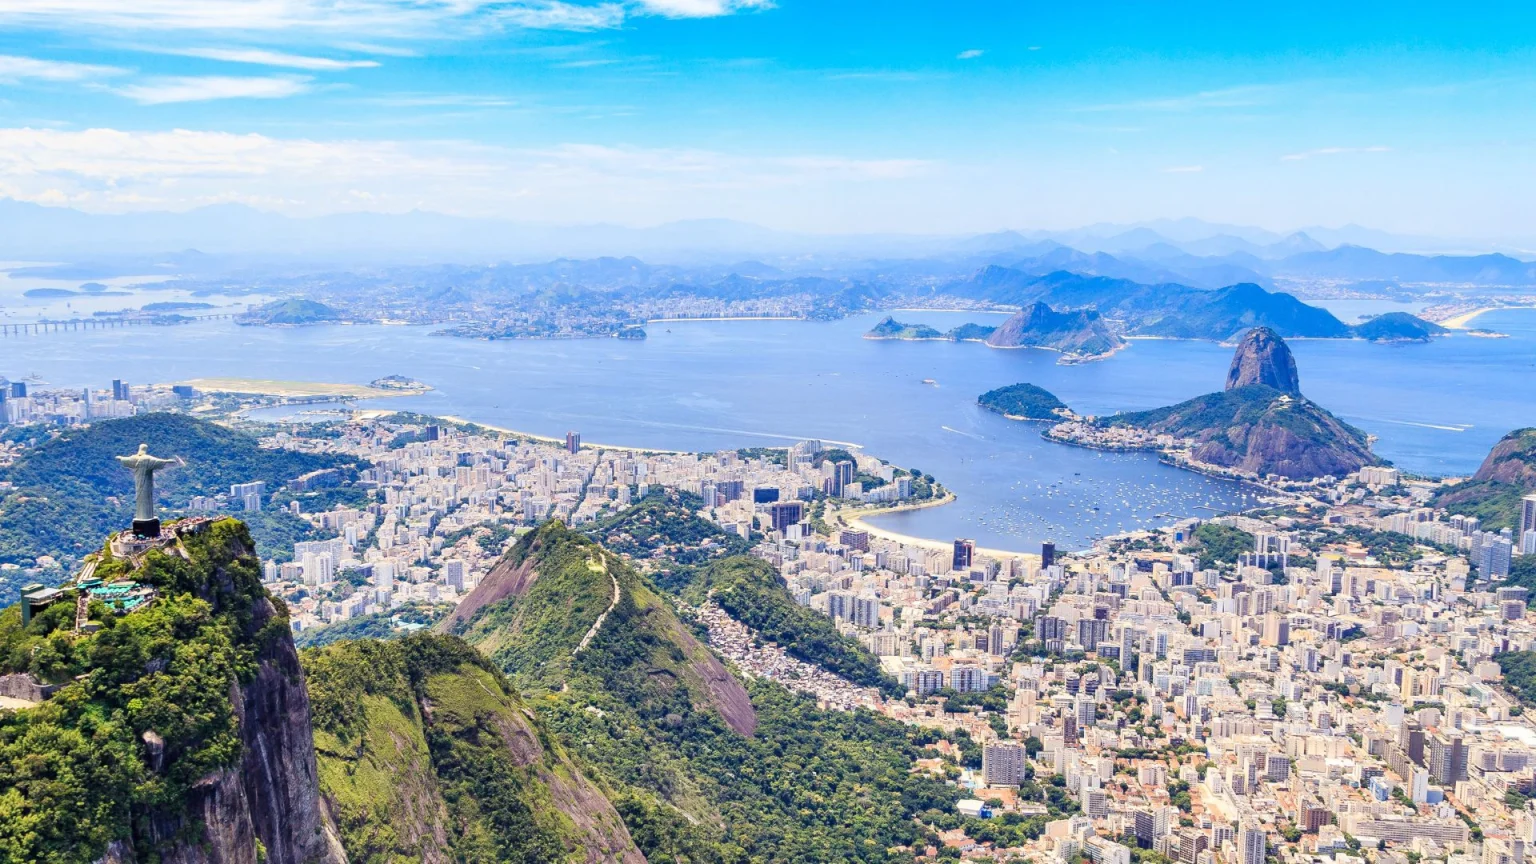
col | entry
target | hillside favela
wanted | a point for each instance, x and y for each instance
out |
(767, 432)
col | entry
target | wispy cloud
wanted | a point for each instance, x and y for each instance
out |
(1230, 97)
(1331, 151)
(586, 64)
(259, 57)
(702, 8)
(1184, 169)
(121, 171)
(161, 91)
(354, 18)
(556, 15)
(13, 68)
(969, 54)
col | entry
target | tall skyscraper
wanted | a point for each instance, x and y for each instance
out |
(1447, 758)
(785, 513)
(1251, 845)
(572, 441)
(965, 553)
(1047, 555)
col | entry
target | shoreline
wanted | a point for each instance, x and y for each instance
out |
(465, 421)
(277, 387)
(855, 517)
(727, 318)
(1464, 320)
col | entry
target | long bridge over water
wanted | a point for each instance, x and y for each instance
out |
(71, 324)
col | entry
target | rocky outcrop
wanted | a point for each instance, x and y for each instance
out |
(261, 804)
(1260, 424)
(1512, 460)
(1293, 438)
(1493, 494)
(1081, 332)
(1264, 358)
(266, 808)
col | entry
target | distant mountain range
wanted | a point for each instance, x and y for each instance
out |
(227, 237)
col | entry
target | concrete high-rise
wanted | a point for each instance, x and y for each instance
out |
(965, 553)
(1251, 845)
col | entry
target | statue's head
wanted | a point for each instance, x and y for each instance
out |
(143, 449)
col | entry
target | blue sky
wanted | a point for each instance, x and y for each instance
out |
(816, 116)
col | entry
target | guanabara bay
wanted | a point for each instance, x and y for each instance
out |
(767, 432)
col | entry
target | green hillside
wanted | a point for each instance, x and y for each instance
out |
(693, 556)
(749, 589)
(425, 753)
(291, 312)
(70, 491)
(665, 530)
(1493, 493)
(75, 772)
(701, 767)
(971, 333)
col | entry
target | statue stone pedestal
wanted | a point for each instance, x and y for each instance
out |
(147, 529)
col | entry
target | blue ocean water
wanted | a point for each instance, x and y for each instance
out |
(1435, 407)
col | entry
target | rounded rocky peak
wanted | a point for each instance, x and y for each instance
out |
(1263, 358)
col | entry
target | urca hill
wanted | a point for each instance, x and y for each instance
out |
(1259, 425)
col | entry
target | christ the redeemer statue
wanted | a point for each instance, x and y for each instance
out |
(144, 466)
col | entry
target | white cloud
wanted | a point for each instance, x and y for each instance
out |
(160, 91)
(108, 170)
(1331, 151)
(702, 8)
(259, 57)
(969, 54)
(1184, 169)
(562, 16)
(353, 18)
(13, 68)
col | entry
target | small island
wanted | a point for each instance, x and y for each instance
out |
(291, 313)
(399, 384)
(1398, 327)
(890, 328)
(971, 333)
(1024, 402)
(1079, 334)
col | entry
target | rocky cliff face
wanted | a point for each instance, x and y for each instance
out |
(264, 808)
(1080, 332)
(1512, 460)
(1493, 494)
(1264, 358)
(1259, 430)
